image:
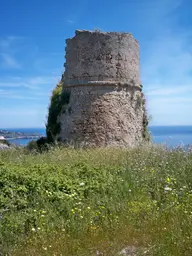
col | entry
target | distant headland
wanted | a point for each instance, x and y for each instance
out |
(12, 135)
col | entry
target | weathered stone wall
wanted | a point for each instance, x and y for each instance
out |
(93, 57)
(106, 106)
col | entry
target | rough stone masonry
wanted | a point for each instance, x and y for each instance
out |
(106, 105)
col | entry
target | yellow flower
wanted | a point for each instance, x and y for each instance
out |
(168, 180)
(93, 227)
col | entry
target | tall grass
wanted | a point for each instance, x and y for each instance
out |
(85, 202)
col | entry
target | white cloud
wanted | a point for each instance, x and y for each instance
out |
(33, 83)
(18, 112)
(169, 61)
(28, 89)
(71, 21)
(22, 96)
(8, 61)
(168, 90)
(167, 79)
(17, 116)
(6, 42)
(7, 53)
(166, 65)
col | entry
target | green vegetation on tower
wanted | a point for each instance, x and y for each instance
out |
(58, 103)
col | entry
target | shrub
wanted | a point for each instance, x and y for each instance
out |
(32, 145)
(5, 142)
(38, 145)
(146, 120)
(59, 100)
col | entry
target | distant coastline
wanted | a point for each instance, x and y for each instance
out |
(13, 135)
(172, 135)
(23, 137)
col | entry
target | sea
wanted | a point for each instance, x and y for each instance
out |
(172, 136)
(24, 142)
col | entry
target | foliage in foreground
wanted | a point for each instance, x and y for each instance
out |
(5, 142)
(79, 202)
(40, 145)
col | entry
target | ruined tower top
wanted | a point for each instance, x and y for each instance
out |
(102, 58)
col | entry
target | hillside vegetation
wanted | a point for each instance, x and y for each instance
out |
(96, 202)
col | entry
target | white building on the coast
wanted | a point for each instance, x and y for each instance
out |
(2, 138)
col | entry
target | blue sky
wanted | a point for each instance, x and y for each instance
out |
(32, 45)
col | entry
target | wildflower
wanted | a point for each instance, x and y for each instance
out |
(88, 208)
(168, 180)
(167, 189)
(78, 203)
(72, 211)
(82, 184)
(45, 248)
(33, 229)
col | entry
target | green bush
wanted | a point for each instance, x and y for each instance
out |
(32, 145)
(39, 145)
(146, 120)
(59, 101)
(5, 142)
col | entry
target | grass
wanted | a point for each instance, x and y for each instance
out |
(81, 202)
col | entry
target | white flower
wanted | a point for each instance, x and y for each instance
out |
(167, 189)
(82, 184)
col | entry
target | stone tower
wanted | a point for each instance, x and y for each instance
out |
(106, 105)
